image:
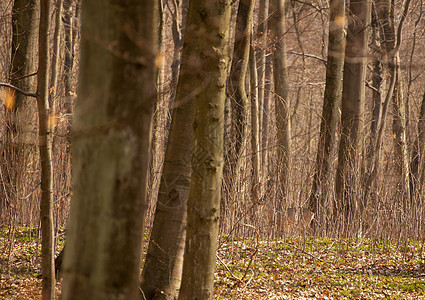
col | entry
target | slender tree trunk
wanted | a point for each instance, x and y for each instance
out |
(255, 130)
(281, 89)
(110, 150)
(352, 107)
(421, 143)
(68, 22)
(390, 47)
(331, 103)
(212, 26)
(238, 92)
(400, 141)
(377, 92)
(264, 71)
(45, 139)
(56, 53)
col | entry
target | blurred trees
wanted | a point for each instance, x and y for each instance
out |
(293, 52)
(110, 150)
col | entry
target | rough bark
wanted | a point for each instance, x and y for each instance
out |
(352, 108)
(211, 21)
(45, 146)
(331, 103)
(281, 93)
(110, 150)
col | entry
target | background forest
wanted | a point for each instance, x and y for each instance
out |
(311, 115)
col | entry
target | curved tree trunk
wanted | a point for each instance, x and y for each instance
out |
(212, 32)
(110, 150)
(237, 91)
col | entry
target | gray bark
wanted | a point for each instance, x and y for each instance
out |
(212, 28)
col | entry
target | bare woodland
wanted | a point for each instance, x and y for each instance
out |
(190, 122)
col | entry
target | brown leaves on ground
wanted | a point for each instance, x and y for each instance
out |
(321, 269)
(289, 268)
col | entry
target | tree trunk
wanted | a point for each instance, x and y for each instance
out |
(331, 103)
(161, 277)
(264, 70)
(281, 88)
(211, 21)
(390, 46)
(68, 22)
(421, 143)
(400, 141)
(352, 107)
(56, 53)
(19, 112)
(237, 91)
(45, 139)
(255, 130)
(111, 134)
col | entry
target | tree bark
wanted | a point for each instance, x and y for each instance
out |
(45, 140)
(237, 91)
(331, 103)
(56, 53)
(110, 150)
(352, 107)
(19, 110)
(161, 277)
(281, 89)
(264, 71)
(255, 129)
(211, 21)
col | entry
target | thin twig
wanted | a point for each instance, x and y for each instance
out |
(227, 268)
(18, 90)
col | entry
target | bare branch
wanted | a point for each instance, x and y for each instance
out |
(18, 90)
(309, 55)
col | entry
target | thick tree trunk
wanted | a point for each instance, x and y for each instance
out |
(212, 28)
(162, 271)
(18, 125)
(45, 140)
(352, 107)
(281, 88)
(111, 134)
(331, 103)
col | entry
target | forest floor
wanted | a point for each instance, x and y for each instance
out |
(291, 268)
